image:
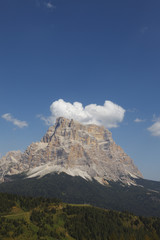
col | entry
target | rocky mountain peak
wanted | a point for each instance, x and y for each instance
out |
(73, 130)
(78, 150)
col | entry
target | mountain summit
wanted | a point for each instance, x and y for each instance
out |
(87, 151)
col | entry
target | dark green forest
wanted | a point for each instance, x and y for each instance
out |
(143, 199)
(44, 219)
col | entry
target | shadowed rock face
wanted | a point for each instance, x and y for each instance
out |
(78, 150)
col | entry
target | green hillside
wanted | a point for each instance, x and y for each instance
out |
(45, 219)
(141, 200)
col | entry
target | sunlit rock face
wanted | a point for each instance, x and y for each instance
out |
(78, 150)
(10, 164)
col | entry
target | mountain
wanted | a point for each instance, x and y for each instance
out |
(87, 151)
(80, 164)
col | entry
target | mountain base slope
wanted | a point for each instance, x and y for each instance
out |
(139, 200)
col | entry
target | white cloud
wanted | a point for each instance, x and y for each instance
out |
(108, 115)
(8, 117)
(155, 128)
(138, 120)
(45, 3)
(49, 5)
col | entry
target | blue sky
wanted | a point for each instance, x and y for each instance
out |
(87, 52)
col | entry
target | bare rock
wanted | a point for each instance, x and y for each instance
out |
(78, 150)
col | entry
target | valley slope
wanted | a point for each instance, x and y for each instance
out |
(24, 218)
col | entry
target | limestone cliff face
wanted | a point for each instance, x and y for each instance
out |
(10, 164)
(79, 150)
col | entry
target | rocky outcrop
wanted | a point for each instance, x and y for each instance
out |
(10, 164)
(78, 150)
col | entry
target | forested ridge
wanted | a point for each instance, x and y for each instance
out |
(143, 199)
(44, 219)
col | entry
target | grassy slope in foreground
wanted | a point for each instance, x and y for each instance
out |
(37, 218)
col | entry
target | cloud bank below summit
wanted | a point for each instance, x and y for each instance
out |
(108, 115)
